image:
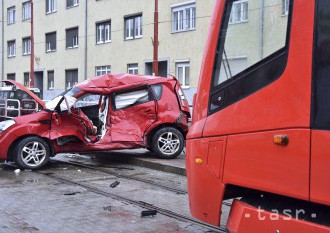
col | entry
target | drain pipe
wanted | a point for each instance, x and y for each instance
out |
(261, 38)
(156, 42)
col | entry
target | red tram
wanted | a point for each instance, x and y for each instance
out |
(261, 119)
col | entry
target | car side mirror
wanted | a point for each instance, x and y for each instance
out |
(56, 118)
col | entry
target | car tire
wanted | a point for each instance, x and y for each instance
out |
(150, 149)
(167, 143)
(31, 153)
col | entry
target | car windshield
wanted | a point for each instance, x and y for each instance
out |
(69, 94)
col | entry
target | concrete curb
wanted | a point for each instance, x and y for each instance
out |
(156, 166)
(144, 158)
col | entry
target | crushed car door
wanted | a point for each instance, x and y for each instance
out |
(133, 111)
(68, 126)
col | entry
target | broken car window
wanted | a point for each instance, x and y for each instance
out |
(131, 98)
(158, 91)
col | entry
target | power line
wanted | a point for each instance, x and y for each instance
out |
(94, 34)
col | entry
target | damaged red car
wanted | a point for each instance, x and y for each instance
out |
(104, 113)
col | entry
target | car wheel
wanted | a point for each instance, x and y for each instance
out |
(31, 153)
(168, 143)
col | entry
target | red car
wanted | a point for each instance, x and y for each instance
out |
(104, 113)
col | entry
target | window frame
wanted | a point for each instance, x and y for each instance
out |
(134, 26)
(11, 74)
(133, 67)
(11, 15)
(75, 39)
(107, 70)
(285, 7)
(103, 24)
(24, 10)
(75, 4)
(52, 4)
(26, 83)
(11, 53)
(49, 86)
(138, 88)
(228, 91)
(184, 65)
(242, 19)
(28, 48)
(48, 44)
(181, 12)
(67, 87)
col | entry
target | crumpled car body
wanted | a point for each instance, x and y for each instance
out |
(104, 113)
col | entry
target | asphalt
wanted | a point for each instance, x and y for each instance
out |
(145, 158)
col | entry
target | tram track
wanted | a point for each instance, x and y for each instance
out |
(141, 204)
(129, 177)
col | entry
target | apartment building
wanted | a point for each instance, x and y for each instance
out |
(78, 39)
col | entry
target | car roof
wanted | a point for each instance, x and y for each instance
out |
(116, 80)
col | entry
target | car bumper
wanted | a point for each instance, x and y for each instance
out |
(6, 140)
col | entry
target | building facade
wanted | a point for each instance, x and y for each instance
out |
(78, 39)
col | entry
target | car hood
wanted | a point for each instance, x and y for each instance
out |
(26, 90)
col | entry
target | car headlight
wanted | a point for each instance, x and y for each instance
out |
(4, 125)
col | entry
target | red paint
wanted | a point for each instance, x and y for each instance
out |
(127, 128)
(320, 164)
(254, 161)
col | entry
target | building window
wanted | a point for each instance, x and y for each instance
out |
(50, 80)
(51, 6)
(133, 68)
(51, 42)
(285, 7)
(183, 73)
(11, 48)
(103, 32)
(239, 12)
(27, 46)
(101, 70)
(26, 10)
(27, 79)
(72, 3)
(72, 40)
(184, 18)
(11, 14)
(133, 27)
(71, 78)
(11, 77)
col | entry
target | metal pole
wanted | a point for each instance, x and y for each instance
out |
(32, 50)
(155, 62)
(3, 43)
